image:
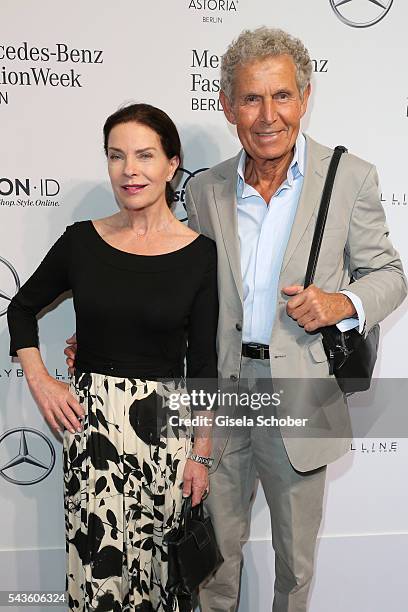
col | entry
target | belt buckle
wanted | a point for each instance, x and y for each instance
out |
(262, 351)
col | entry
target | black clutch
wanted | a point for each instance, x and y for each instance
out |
(351, 357)
(193, 554)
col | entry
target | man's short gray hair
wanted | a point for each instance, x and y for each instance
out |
(252, 45)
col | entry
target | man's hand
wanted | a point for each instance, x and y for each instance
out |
(70, 353)
(313, 308)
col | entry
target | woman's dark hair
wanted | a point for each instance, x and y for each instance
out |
(155, 119)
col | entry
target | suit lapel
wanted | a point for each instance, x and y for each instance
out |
(310, 196)
(226, 203)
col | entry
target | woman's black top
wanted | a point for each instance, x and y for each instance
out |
(134, 313)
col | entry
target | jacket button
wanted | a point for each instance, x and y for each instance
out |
(234, 377)
(238, 327)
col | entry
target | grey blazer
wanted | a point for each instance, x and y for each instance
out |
(355, 243)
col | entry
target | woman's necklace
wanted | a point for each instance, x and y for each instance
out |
(142, 232)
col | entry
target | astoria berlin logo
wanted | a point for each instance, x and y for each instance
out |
(361, 13)
(10, 284)
(42, 456)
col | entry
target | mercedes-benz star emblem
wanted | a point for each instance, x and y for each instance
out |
(361, 13)
(41, 457)
(10, 284)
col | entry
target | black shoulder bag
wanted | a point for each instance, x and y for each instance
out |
(351, 357)
(193, 554)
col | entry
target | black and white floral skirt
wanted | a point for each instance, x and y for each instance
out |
(122, 493)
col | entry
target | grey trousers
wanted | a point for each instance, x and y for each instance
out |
(295, 502)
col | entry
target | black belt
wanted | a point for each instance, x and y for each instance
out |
(255, 351)
(128, 370)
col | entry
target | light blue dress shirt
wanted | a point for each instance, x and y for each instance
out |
(264, 231)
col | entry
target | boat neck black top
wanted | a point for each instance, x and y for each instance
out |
(136, 315)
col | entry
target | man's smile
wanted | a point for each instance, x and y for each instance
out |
(270, 135)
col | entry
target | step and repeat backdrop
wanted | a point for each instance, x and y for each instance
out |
(64, 67)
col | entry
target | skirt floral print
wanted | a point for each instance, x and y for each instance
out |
(122, 493)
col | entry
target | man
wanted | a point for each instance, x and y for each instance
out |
(261, 208)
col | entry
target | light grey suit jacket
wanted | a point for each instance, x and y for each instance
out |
(355, 244)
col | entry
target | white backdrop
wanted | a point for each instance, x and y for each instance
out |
(52, 172)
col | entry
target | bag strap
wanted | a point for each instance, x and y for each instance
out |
(197, 512)
(188, 513)
(185, 515)
(322, 215)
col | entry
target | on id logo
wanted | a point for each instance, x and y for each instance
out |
(45, 188)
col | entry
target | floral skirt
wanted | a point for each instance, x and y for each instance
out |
(122, 493)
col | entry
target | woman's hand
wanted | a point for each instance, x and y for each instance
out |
(58, 406)
(195, 481)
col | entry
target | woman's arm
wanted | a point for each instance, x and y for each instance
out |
(49, 281)
(202, 372)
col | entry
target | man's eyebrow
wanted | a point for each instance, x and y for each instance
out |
(287, 90)
(250, 93)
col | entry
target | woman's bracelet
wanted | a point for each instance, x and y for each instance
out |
(207, 461)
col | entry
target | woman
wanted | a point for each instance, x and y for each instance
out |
(143, 283)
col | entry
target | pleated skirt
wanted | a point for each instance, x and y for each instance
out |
(122, 493)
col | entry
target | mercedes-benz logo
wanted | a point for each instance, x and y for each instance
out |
(42, 456)
(361, 13)
(10, 284)
(187, 177)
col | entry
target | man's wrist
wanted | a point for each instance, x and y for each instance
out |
(349, 308)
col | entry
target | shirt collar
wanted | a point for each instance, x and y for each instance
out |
(297, 165)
